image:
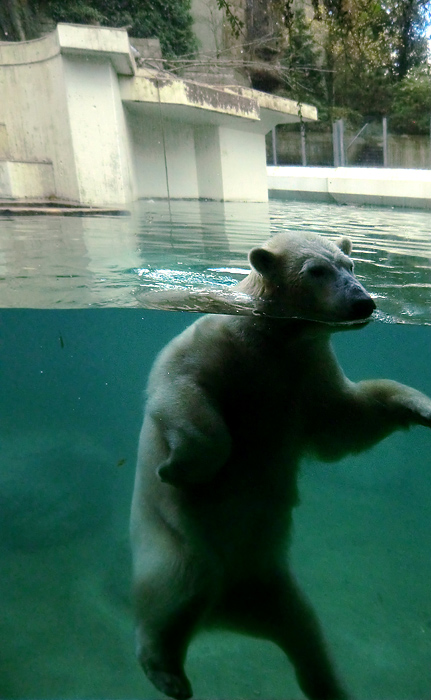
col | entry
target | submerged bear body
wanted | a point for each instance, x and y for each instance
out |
(233, 405)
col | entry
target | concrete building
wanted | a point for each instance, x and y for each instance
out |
(80, 122)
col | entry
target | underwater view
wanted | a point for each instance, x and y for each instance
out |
(83, 315)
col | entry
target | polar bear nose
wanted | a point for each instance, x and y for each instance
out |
(362, 307)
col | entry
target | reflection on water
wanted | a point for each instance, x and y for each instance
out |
(190, 246)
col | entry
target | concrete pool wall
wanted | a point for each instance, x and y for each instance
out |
(79, 121)
(378, 186)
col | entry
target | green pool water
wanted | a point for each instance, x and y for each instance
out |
(76, 346)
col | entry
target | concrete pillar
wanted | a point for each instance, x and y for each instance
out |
(208, 162)
(147, 154)
(181, 160)
(243, 162)
(97, 129)
(163, 155)
(231, 164)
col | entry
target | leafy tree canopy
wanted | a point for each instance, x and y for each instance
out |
(411, 106)
(364, 50)
(169, 20)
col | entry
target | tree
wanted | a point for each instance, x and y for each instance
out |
(411, 105)
(17, 21)
(402, 24)
(169, 20)
(302, 59)
(368, 46)
(358, 59)
(236, 24)
(347, 59)
(406, 30)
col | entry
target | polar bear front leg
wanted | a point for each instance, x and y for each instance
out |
(197, 439)
(361, 415)
(399, 405)
(194, 456)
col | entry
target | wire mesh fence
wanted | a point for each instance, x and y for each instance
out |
(371, 144)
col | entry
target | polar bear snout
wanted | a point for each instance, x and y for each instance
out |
(362, 306)
(355, 299)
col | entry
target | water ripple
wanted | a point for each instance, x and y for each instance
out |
(199, 250)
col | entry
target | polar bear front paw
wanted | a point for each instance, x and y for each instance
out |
(419, 407)
(171, 684)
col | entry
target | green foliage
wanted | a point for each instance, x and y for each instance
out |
(236, 24)
(302, 59)
(18, 21)
(358, 55)
(360, 59)
(353, 119)
(169, 20)
(406, 30)
(411, 106)
(341, 66)
(76, 11)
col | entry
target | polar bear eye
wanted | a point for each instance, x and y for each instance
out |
(318, 271)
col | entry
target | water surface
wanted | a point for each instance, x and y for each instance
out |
(65, 262)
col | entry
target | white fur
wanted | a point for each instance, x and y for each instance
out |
(233, 405)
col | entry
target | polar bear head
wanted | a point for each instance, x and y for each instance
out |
(306, 276)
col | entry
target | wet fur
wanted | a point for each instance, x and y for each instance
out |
(233, 405)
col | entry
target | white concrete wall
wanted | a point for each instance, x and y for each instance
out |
(147, 155)
(20, 180)
(379, 186)
(208, 162)
(98, 132)
(5, 187)
(243, 162)
(34, 112)
(294, 181)
(4, 141)
(149, 141)
(181, 160)
(66, 108)
(75, 99)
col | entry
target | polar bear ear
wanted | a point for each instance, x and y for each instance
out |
(345, 244)
(263, 261)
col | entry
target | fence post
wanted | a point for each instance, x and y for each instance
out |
(385, 142)
(303, 151)
(274, 145)
(338, 143)
(341, 137)
(335, 144)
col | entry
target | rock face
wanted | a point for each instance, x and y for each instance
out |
(53, 488)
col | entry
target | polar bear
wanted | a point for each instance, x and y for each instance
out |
(233, 404)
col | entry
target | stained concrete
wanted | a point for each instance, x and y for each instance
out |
(93, 128)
